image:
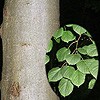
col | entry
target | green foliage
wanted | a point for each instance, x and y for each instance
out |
(67, 36)
(47, 59)
(76, 60)
(54, 74)
(62, 53)
(91, 83)
(78, 29)
(65, 87)
(88, 66)
(78, 78)
(57, 40)
(67, 71)
(90, 50)
(59, 33)
(50, 45)
(73, 59)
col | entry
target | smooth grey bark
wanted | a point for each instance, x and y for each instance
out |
(27, 27)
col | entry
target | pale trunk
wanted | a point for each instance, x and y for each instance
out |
(27, 27)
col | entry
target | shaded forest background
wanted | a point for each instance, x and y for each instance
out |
(82, 12)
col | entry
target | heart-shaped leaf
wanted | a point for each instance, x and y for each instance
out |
(47, 59)
(88, 34)
(61, 53)
(58, 33)
(94, 72)
(92, 50)
(72, 59)
(67, 36)
(78, 78)
(78, 29)
(65, 87)
(82, 51)
(54, 74)
(91, 84)
(93, 68)
(88, 66)
(83, 65)
(50, 46)
(67, 71)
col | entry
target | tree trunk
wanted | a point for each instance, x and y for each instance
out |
(27, 27)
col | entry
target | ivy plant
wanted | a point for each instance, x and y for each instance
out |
(77, 59)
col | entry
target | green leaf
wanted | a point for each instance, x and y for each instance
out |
(85, 48)
(83, 65)
(47, 59)
(58, 33)
(94, 72)
(88, 34)
(78, 78)
(50, 46)
(67, 71)
(61, 53)
(88, 66)
(67, 36)
(54, 74)
(92, 50)
(57, 40)
(91, 84)
(82, 51)
(78, 29)
(94, 67)
(69, 25)
(72, 59)
(65, 87)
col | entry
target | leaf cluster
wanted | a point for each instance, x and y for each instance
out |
(75, 67)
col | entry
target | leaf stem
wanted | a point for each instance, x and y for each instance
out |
(64, 28)
(72, 44)
(78, 41)
(91, 40)
(76, 44)
(65, 63)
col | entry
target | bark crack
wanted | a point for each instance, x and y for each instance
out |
(25, 44)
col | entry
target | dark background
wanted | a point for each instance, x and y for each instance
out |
(82, 12)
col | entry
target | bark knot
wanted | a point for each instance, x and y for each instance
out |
(15, 89)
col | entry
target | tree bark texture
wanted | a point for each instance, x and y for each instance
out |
(27, 28)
